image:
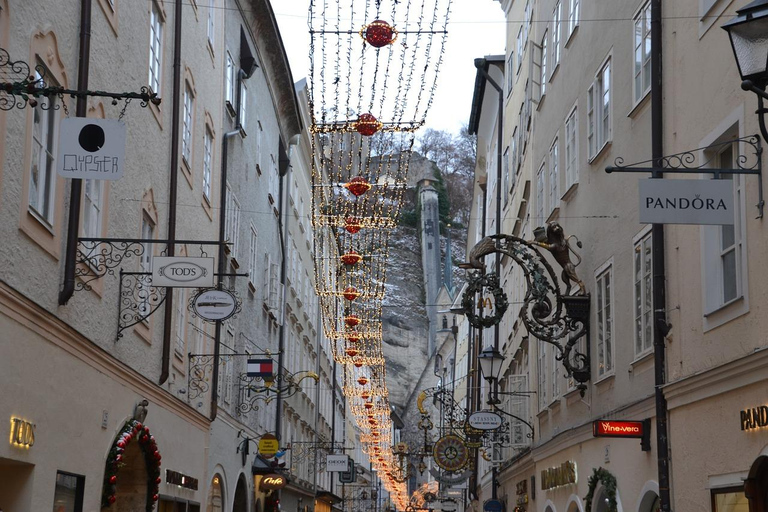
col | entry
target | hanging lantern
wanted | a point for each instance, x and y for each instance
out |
(358, 364)
(350, 258)
(378, 33)
(353, 337)
(352, 320)
(358, 185)
(365, 395)
(352, 225)
(351, 293)
(367, 125)
(352, 352)
(362, 381)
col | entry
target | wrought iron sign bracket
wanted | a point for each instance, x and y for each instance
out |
(138, 299)
(200, 369)
(749, 162)
(20, 85)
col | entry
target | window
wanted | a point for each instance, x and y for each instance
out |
(599, 110)
(544, 64)
(571, 150)
(505, 165)
(642, 83)
(68, 493)
(556, 36)
(519, 49)
(573, 15)
(211, 21)
(643, 279)
(207, 164)
(186, 129)
(252, 256)
(243, 103)
(554, 175)
(604, 312)
(145, 263)
(225, 380)
(229, 86)
(555, 371)
(540, 198)
(514, 153)
(232, 223)
(155, 48)
(92, 208)
(42, 176)
(508, 72)
(528, 20)
(731, 499)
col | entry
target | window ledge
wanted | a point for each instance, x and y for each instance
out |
(570, 191)
(555, 404)
(642, 102)
(608, 377)
(230, 109)
(642, 358)
(571, 393)
(251, 286)
(554, 71)
(600, 152)
(724, 306)
(570, 36)
(542, 414)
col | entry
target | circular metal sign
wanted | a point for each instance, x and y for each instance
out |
(215, 304)
(450, 452)
(485, 420)
(268, 445)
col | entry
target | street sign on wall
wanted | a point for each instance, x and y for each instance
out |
(686, 202)
(182, 272)
(215, 305)
(485, 420)
(91, 148)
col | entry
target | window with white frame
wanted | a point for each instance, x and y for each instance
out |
(252, 255)
(555, 372)
(571, 149)
(544, 64)
(186, 129)
(519, 49)
(599, 110)
(42, 176)
(505, 168)
(556, 36)
(225, 382)
(93, 199)
(528, 19)
(207, 163)
(540, 196)
(604, 311)
(642, 22)
(232, 223)
(643, 280)
(573, 15)
(508, 72)
(230, 80)
(211, 21)
(155, 47)
(243, 111)
(273, 178)
(724, 258)
(554, 174)
(513, 141)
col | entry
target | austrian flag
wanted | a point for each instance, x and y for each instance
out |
(260, 368)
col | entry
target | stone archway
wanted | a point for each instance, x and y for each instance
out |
(756, 485)
(240, 503)
(215, 502)
(131, 493)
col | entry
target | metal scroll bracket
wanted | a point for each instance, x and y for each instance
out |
(749, 162)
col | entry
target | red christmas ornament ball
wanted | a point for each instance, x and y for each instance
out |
(379, 34)
(351, 293)
(352, 225)
(155, 497)
(121, 444)
(111, 499)
(113, 479)
(367, 125)
(159, 480)
(358, 186)
(351, 258)
(157, 456)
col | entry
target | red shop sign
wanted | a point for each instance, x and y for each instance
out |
(610, 428)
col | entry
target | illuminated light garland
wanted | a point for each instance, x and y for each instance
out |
(352, 225)
(378, 34)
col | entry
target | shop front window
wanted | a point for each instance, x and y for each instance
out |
(215, 496)
(68, 496)
(731, 499)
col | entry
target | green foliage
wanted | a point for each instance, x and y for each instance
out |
(444, 204)
(609, 482)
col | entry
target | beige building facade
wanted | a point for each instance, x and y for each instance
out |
(577, 96)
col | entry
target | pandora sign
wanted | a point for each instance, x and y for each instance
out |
(686, 201)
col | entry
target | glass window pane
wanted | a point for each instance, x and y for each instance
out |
(67, 496)
(731, 502)
(729, 276)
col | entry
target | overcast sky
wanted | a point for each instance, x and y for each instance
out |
(475, 29)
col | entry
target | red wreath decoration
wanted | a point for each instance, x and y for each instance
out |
(132, 430)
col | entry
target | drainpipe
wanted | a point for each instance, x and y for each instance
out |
(660, 325)
(221, 267)
(76, 186)
(172, 195)
(283, 233)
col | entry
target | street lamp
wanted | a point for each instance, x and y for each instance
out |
(490, 365)
(748, 32)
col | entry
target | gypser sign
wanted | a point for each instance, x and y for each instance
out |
(754, 418)
(564, 474)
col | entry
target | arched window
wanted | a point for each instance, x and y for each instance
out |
(216, 495)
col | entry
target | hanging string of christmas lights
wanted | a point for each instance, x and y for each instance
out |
(373, 76)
